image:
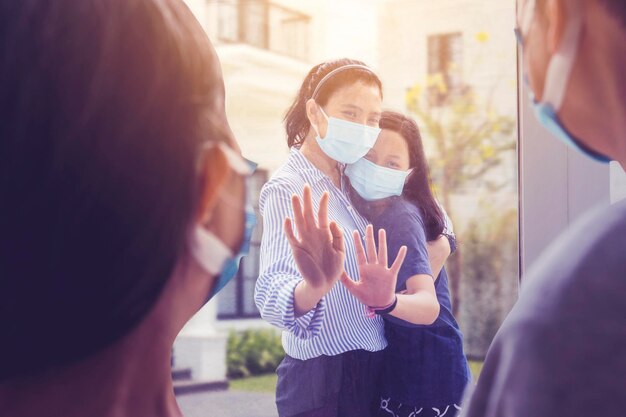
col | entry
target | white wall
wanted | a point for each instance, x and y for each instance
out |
(406, 24)
(557, 185)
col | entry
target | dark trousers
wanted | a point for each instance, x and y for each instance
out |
(344, 385)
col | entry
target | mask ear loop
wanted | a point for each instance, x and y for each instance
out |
(562, 63)
(325, 116)
(208, 250)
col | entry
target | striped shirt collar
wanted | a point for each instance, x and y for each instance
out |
(310, 173)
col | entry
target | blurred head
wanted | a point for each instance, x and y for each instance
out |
(354, 95)
(574, 55)
(399, 147)
(109, 156)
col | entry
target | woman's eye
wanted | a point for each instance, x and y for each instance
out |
(393, 165)
(349, 114)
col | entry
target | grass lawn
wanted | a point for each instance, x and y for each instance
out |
(267, 383)
(263, 383)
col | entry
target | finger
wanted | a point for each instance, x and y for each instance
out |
(322, 215)
(397, 264)
(382, 247)
(337, 234)
(308, 211)
(358, 248)
(291, 237)
(349, 283)
(298, 217)
(370, 244)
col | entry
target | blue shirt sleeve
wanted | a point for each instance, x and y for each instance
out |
(404, 227)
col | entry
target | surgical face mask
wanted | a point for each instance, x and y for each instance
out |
(345, 141)
(374, 182)
(210, 252)
(557, 77)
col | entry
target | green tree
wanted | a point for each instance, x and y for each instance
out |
(469, 138)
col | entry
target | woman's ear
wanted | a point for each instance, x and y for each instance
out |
(214, 173)
(313, 112)
(316, 119)
(557, 16)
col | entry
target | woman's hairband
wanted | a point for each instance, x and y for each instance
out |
(338, 70)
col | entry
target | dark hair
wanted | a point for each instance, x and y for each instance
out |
(296, 122)
(418, 185)
(102, 109)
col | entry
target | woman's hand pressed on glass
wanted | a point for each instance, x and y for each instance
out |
(318, 248)
(377, 285)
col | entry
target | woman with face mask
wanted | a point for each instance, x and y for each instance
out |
(424, 369)
(333, 348)
(122, 193)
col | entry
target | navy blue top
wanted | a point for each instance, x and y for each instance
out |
(424, 364)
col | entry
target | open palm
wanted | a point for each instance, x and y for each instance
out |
(319, 249)
(377, 284)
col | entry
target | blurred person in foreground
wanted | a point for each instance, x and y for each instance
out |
(561, 350)
(122, 201)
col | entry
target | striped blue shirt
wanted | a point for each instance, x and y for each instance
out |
(338, 323)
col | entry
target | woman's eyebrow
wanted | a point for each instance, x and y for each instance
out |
(352, 106)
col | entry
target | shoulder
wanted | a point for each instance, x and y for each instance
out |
(402, 213)
(285, 182)
(565, 330)
(587, 261)
(403, 223)
(568, 322)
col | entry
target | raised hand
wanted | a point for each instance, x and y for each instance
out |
(377, 284)
(319, 249)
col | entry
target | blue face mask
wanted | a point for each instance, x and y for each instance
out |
(374, 182)
(210, 252)
(345, 141)
(557, 77)
(549, 119)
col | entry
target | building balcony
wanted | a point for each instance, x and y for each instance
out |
(261, 24)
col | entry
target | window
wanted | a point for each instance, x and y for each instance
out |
(236, 300)
(445, 56)
(264, 25)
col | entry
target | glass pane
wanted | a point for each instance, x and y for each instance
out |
(452, 67)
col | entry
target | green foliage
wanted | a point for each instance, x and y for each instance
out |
(470, 138)
(253, 352)
(469, 135)
(489, 276)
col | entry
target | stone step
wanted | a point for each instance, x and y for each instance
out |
(180, 374)
(182, 387)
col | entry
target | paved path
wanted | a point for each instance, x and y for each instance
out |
(228, 404)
